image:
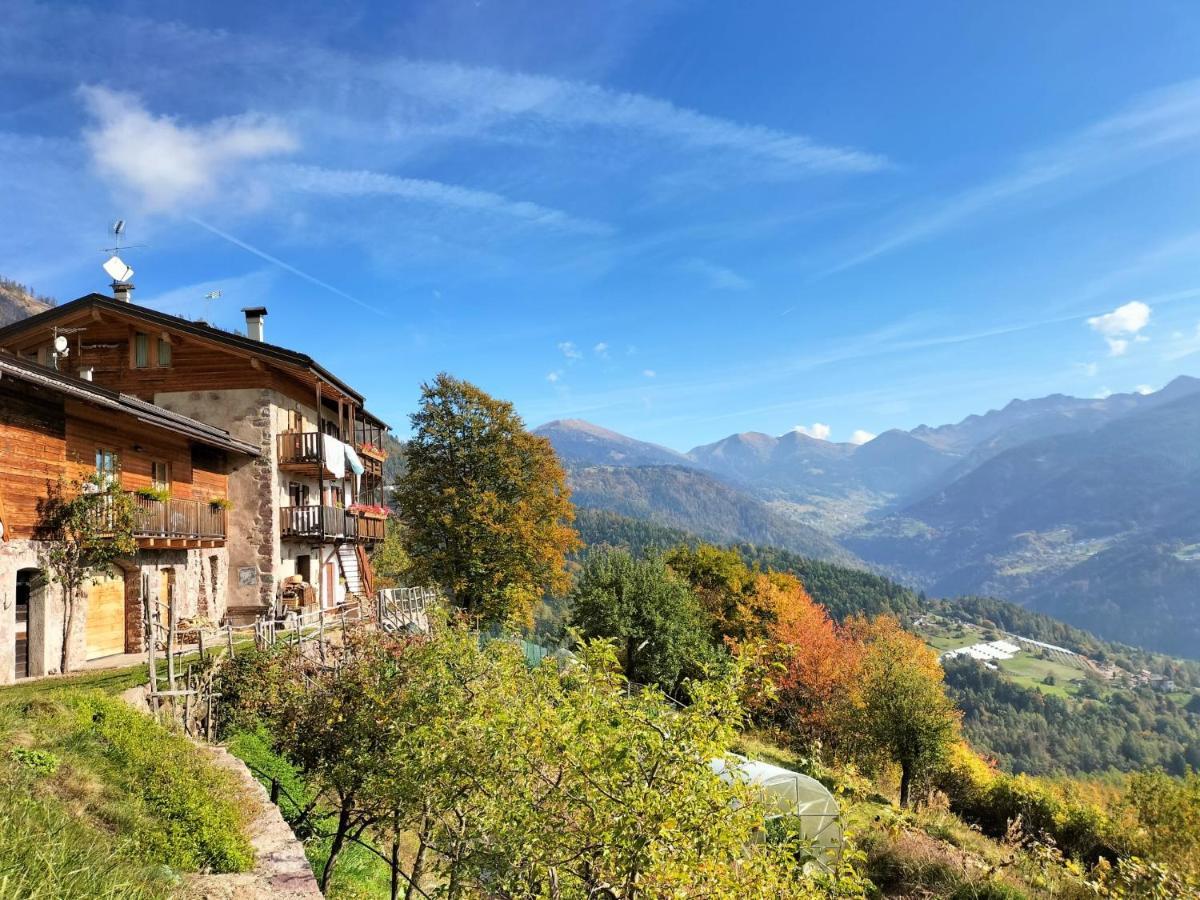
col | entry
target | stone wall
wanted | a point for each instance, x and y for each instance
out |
(194, 571)
(45, 613)
(252, 522)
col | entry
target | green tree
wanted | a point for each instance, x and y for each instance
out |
(659, 625)
(485, 503)
(88, 525)
(390, 560)
(901, 713)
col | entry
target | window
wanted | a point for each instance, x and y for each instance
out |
(141, 350)
(295, 423)
(297, 494)
(160, 474)
(164, 353)
(106, 464)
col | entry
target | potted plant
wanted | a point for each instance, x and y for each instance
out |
(371, 449)
(370, 510)
(162, 495)
(220, 503)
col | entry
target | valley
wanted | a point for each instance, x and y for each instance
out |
(1082, 508)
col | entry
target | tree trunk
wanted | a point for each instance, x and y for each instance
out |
(905, 783)
(339, 838)
(418, 865)
(68, 627)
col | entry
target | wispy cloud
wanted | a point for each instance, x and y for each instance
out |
(287, 267)
(649, 373)
(719, 278)
(1152, 128)
(569, 350)
(164, 162)
(601, 350)
(360, 183)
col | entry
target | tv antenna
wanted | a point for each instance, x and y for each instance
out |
(115, 267)
(61, 346)
(208, 301)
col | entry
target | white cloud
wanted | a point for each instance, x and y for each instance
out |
(601, 350)
(817, 430)
(166, 163)
(569, 350)
(554, 376)
(861, 436)
(649, 373)
(1144, 389)
(1130, 318)
(1090, 369)
(360, 183)
(1121, 325)
(1103, 394)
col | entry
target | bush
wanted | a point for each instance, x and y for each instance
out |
(194, 819)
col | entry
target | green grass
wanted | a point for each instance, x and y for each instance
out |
(99, 800)
(1031, 671)
(358, 874)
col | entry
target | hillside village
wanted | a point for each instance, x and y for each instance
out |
(256, 474)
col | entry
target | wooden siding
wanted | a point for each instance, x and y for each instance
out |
(44, 438)
(197, 363)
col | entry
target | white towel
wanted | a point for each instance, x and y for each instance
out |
(335, 455)
(355, 465)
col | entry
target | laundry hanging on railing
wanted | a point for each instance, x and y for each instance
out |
(356, 466)
(334, 453)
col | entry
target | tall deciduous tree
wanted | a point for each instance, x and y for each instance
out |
(485, 502)
(902, 714)
(88, 525)
(655, 619)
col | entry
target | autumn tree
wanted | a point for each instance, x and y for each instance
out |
(656, 621)
(88, 526)
(817, 675)
(901, 714)
(485, 503)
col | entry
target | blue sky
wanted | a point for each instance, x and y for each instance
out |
(677, 220)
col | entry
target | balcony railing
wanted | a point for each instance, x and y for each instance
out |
(326, 523)
(195, 519)
(299, 447)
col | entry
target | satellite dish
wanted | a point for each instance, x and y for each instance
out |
(116, 268)
(60, 344)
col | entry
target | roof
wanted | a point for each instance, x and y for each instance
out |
(69, 386)
(198, 329)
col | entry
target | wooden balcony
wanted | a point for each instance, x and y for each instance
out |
(177, 523)
(301, 452)
(329, 524)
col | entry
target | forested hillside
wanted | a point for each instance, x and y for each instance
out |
(1029, 730)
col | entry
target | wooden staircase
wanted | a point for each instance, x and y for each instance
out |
(356, 569)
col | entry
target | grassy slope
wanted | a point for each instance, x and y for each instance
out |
(121, 807)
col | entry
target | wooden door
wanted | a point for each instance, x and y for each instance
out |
(106, 615)
(328, 597)
(21, 670)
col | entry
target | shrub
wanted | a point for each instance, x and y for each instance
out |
(194, 819)
(39, 762)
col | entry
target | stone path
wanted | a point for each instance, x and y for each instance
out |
(281, 870)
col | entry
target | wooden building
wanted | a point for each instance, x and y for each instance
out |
(311, 505)
(55, 431)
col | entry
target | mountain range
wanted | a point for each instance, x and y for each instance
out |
(1087, 509)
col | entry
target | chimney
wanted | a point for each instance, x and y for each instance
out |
(121, 290)
(85, 372)
(254, 321)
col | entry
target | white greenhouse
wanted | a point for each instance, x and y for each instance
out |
(790, 794)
